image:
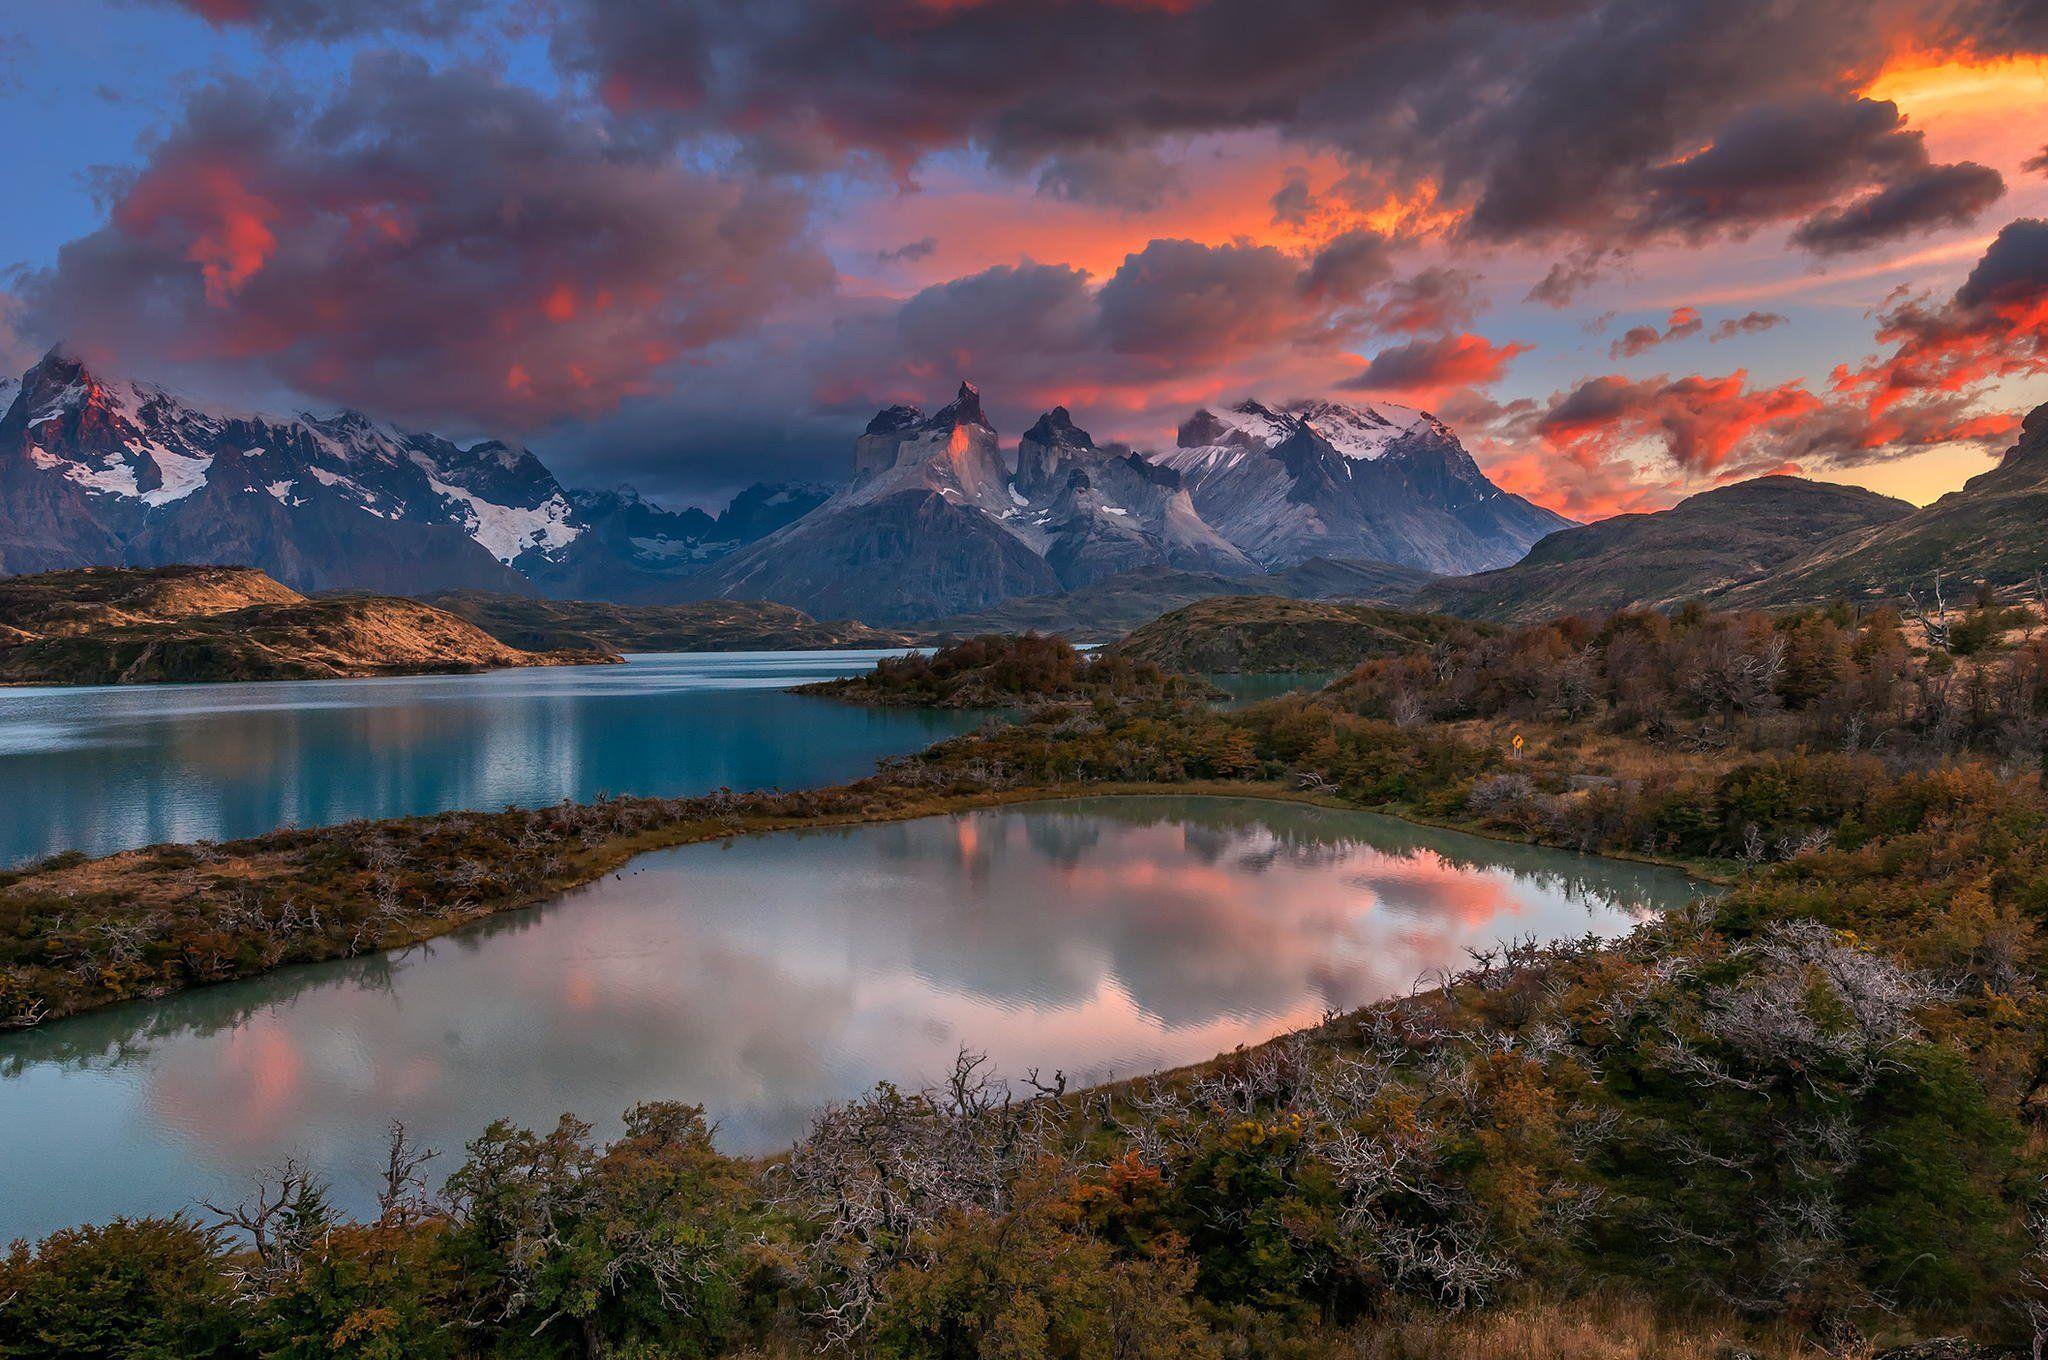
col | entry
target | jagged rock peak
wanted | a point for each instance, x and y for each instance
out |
(56, 371)
(2033, 441)
(964, 409)
(1248, 423)
(1057, 427)
(890, 419)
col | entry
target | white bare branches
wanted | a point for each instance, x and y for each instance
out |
(880, 1173)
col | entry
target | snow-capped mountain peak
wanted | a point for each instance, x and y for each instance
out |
(123, 439)
(102, 471)
(1247, 425)
(1375, 481)
(1362, 431)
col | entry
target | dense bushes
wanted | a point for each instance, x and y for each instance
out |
(1000, 671)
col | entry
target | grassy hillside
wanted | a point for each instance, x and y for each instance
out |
(1994, 530)
(1268, 633)
(710, 626)
(1110, 608)
(94, 599)
(109, 627)
(1699, 548)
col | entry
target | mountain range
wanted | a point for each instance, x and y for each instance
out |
(115, 472)
(939, 520)
(942, 525)
(938, 516)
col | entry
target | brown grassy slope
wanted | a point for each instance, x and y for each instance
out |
(93, 599)
(103, 627)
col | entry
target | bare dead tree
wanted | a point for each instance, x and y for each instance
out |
(285, 1214)
(1933, 624)
(402, 1195)
(877, 1174)
(2033, 1298)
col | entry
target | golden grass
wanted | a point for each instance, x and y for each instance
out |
(1600, 1328)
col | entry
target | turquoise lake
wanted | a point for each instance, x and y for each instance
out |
(109, 768)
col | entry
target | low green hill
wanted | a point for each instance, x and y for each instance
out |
(1272, 633)
(708, 626)
(1108, 609)
(1703, 546)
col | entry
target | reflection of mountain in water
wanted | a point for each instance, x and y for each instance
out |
(767, 975)
(115, 769)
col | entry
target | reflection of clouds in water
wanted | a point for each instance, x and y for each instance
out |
(533, 1037)
(765, 976)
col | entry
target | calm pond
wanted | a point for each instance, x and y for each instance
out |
(769, 975)
(109, 768)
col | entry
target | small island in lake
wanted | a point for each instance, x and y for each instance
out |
(104, 626)
(699, 626)
(1007, 672)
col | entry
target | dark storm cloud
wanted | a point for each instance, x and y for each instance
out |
(1936, 196)
(1128, 179)
(2013, 268)
(1610, 121)
(910, 251)
(1293, 201)
(1572, 275)
(429, 242)
(1781, 160)
(1432, 299)
(1450, 361)
(1345, 268)
(1182, 301)
(1176, 311)
(1587, 122)
(1003, 315)
(326, 21)
(1683, 323)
